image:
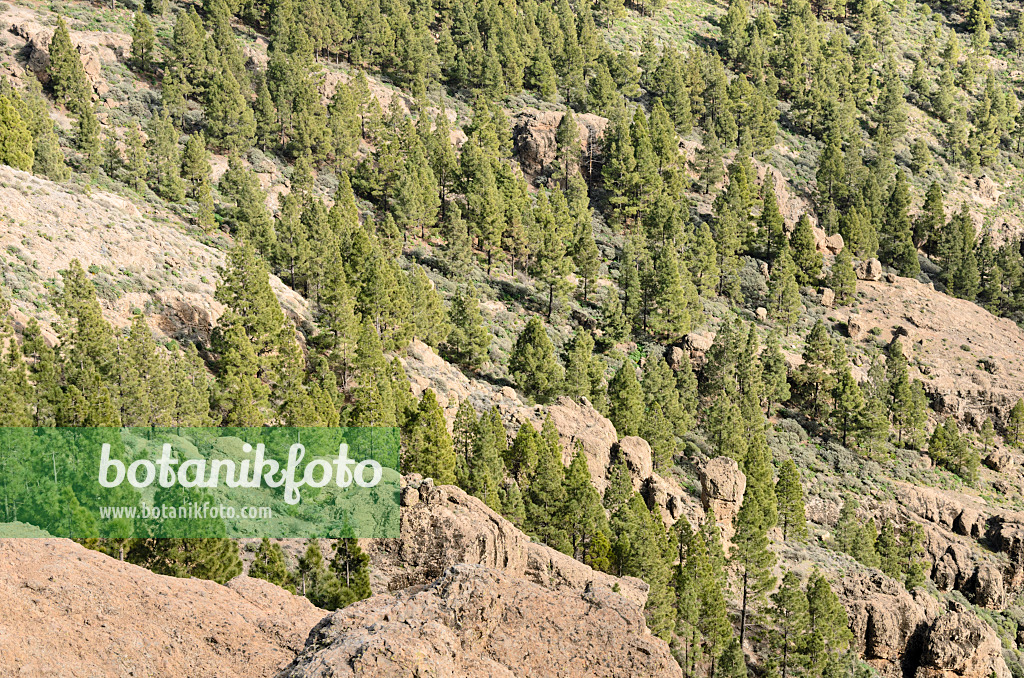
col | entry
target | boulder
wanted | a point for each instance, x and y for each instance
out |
(476, 622)
(698, 342)
(722, 485)
(672, 501)
(999, 460)
(827, 244)
(636, 452)
(828, 297)
(580, 422)
(986, 587)
(762, 313)
(445, 526)
(953, 569)
(674, 356)
(869, 269)
(960, 645)
(855, 328)
(834, 244)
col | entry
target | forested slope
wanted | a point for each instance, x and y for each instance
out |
(769, 254)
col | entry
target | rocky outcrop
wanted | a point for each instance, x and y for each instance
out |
(636, 452)
(672, 501)
(68, 611)
(722, 485)
(442, 526)
(970, 386)
(94, 48)
(827, 244)
(142, 259)
(888, 624)
(868, 269)
(581, 423)
(475, 622)
(960, 645)
(534, 137)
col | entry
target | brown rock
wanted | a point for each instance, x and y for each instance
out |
(828, 297)
(987, 587)
(855, 328)
(960, 645)
(721, 488)
(698, 342)
(534, 136)
(672, 501)
(834, 243)
(886, 621)
(870, 269)
(953, 568)
(636, 452)
(447, 527)
(479, 623)
(69, 611)
(675, 356)
(581, 423)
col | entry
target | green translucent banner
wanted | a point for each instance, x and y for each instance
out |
(199, 482)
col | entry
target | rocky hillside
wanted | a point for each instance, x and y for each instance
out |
(699, 320)
(75, 612)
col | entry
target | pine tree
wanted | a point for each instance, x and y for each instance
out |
(842, 278)
(626, 401)
(269, 565)
(48, 156)
(582, 514)
(586, 257)
(468, 339)
(784, 302)
(87, 136)
(806, 256)
(888, 547)
(771, 227)
(774, 374)
(584, 371)
(905, 409)
(567, 145)
(143, 43)
(165, 164)
(427, 314)
(16, 145)
(709, 162)
(848, 402)
(351, 567)
(792, 620)
(814, 376)
(550, 264)
(733, 663)
(828, 624)
(485, 469)
(67, 75)
(726, 428)
(790, 494)
(546, 493)
(429, 450)
(752, 558)
(897, 246)
(1015, 424)
(532, 363)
